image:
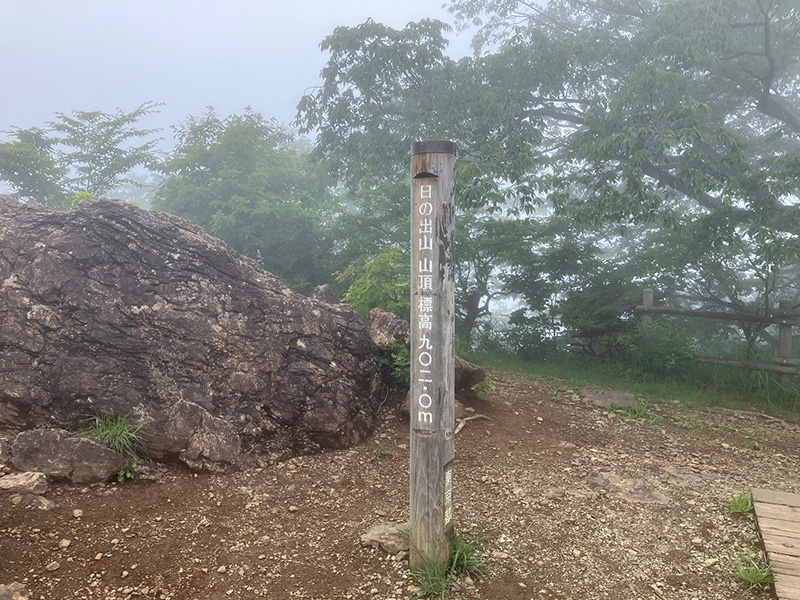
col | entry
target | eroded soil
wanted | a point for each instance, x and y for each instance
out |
(292, 530)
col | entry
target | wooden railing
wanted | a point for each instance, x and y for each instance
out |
(784, 363)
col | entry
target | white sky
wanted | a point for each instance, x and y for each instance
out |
(64, 55)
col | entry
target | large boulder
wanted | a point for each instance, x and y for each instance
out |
(63, 456)
(113, 310)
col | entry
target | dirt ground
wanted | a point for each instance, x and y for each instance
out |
(521, 486)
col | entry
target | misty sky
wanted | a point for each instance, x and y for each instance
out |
(64, 55)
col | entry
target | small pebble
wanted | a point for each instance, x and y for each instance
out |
(52, 566)
(77, 513)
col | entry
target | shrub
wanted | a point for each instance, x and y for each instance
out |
(657, 348)
(383, 282)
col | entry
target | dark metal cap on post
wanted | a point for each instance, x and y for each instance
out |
(432, 147)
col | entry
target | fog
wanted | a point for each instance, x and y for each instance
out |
(101, 55)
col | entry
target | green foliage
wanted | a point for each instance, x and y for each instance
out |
(397, 359)
(91, 152)
(641, 411)
(521, 337)
(697, 388)
(100, 149)
(248, 181)
(466, 559)
(658, 348)
(28, 163)
(753, 573)
(742, 505)
(600, 310)
(436, 579)
(128, 472)
(382, 282)
(485, 387)
(662, 136)
(401, 364)
(122, 436)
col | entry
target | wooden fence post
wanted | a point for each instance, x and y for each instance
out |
(432, 352)
(785, 339)
(647, 302)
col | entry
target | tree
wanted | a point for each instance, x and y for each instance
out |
(28, 164)
(100, 148)
(246, 180)
(676, 116)
(90, 152)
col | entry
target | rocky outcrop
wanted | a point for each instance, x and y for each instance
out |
(63, 456)
(386, 328)
(112, 310)
(191, 434)
(324, 293)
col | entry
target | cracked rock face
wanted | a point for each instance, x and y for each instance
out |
(62, 456)
(112, 310)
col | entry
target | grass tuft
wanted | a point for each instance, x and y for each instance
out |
(122, 436)
(742, 505)
(436, 580)
(753, 574)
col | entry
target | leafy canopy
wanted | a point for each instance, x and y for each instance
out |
(676, 120)
(247, 180)
(91, 152)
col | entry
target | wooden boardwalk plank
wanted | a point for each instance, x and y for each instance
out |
(778, 527)
(770, 497)
(778, 521)
(778, 511)
(783, 563)
(787, 587)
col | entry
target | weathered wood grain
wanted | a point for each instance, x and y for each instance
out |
(432, 351)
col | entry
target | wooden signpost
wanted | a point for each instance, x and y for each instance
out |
(432, 351)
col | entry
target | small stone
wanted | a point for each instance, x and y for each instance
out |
(98, 556)
(293, 509)
(222, 569)
(30, 482)
(64, 543)
(14, 591)
(40, 503)
(77, 513)
(124, 574)
(387, 537)
(52, 566)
